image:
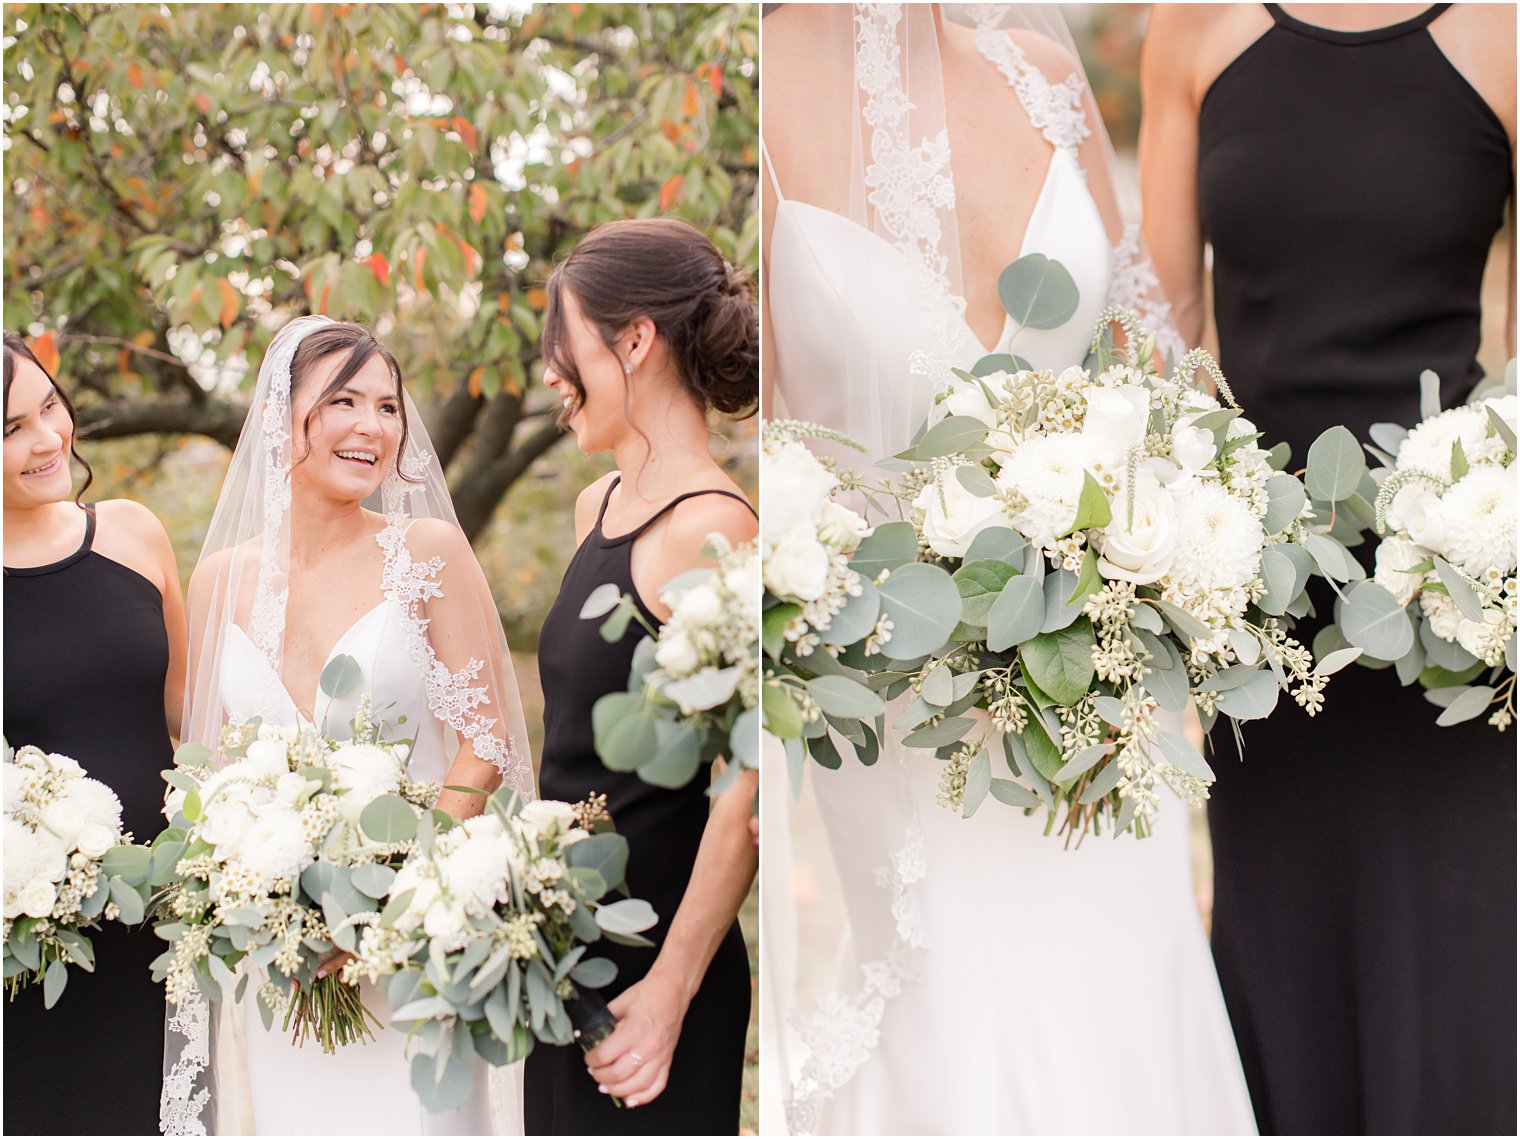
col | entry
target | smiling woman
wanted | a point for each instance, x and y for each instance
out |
(94, 619)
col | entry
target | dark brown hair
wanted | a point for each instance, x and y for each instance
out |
(665, 270)
(16, 347)
(362, 346)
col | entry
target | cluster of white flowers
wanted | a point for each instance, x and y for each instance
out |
(708, 652)
(806, 538)
(1185, 512)
(1451, 495)
(59, 823)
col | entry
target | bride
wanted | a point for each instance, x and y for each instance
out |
(296, 574)
(996, 982)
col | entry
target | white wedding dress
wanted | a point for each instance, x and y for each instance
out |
(363, 1088)
(995, 982)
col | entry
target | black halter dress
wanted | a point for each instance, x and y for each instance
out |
(664, 829)
(1364, 908)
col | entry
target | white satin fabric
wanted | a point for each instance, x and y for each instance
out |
(362, 1089)
(992, 981)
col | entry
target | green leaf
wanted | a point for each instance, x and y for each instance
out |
(1373, 620)
(1333, 559)
(1333, 662)
(1043, 753)
(1435, 677)
(389, 819)
(1089, 580)
(857, 620)
(606, 853)
(627, 916)
(947, 731)
(1038, 292)
(53, 981)
(1061, 662)
(998, 362)
(997, 543)
(395, 908)
(1458, 460)
(950, 436)
(938, 687)
(1336, 465)
(1058, 588)
(783, 717)
(1253, 700)
(373, 879)
(616, 626)
(1285, 501)
(924, 606)
(192, 755)
(1181, 754)
(601, 600)
(978, 783)
(127, 900)
(1469, 705)
(979, 584)
(631, 743)
(1457, 588)
(129, 863)
(1499, 426)
(1016, 614)
(889, 546)
(1013, 794)
(1093, 509)
(594, 973)
(341, 676)
(1283, 578)
(1430, 394)
(1081, 762)
(976, 480)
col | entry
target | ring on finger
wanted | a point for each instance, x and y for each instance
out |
(638, 1061)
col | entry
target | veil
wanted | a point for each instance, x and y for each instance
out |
(238, 595)
(862, 130)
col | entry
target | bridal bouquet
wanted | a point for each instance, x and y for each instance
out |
(486, 932)
(1441, 604)
(1083, 548)
(68, 867)
(816, 603)
(275, 853)
(695, 681)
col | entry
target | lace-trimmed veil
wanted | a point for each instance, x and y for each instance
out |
(452, 628)
(870, 144)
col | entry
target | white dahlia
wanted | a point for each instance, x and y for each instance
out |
(1428, 446)
(1047, 472)
(1480, 515)
(1219, 540)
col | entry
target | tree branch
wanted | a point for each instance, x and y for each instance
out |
(216, 419)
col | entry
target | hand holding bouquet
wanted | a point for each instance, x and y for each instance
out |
(68, 867)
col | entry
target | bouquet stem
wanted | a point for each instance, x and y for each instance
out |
(332, 1011)
(593, 1022)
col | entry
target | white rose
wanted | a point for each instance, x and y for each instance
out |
(94, 840)
(1192, 447)
(1416, 510)
(840, 528)
(546, 815)
(1116, 422)
(1442, 613)
(1395, 557)
(65, 816)
(967, 399)
(225, 818)
(1476, 636)
(797, 566)
(799, 484)
(267, 758)
(675, 653)
(953, 516)
(37, 898)
(698, 605)
(365, 771)
(1138, 543)
(174, 802)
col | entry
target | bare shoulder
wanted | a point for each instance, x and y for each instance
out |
(589, 502)
(434, 537)
(693, 521)
(131, 518)
(1192, 44)
(1479, 40)
(129, 533)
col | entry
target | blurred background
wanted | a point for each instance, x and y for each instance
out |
(179, 181)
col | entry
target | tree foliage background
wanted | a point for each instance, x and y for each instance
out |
(180, 181)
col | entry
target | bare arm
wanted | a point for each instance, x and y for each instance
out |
(1169, 165)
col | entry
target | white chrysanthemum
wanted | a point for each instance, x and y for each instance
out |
(1047, 471)
(364, 772)
(30, 856)
(1428, 446)
(275, 846)
(1480, 516)
(1219, 541)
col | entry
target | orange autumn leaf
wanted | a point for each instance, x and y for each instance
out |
(715, 80)
(476, 376)
(537, 299)
(477, 202)
(692, 103)
(134, 75)
(230, 303)
(503, 302)
(46, 352)
(203, 104)
(124, 363)
(466, 130)
(380, 267)
(419, 259)
(671, 189)
(471, 258)
(143, 339)
(322, 308)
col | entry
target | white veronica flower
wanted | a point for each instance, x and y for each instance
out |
(1480, 516)
(1047, 471)
(1139, 543)
(1219, 539)
(1395, 556)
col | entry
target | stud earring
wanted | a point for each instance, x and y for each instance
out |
(627, 369)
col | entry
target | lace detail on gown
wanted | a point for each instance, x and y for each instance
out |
(184, 1095)
(453, 697)
(1136, 287)
(1055, 109)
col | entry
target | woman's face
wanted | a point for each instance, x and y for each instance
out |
(597, 418)
(351, 442)
(38, 436)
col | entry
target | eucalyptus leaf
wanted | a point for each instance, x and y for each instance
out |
(978, 783)
(1285, 501)
(924, 606)
(949, 436)
(1501, 428)
(677, 756)
(938, 687)
(1389, 436)
(857, 620)
(979, 584)
(1061, 662)
(1336, 465)
(1060, 612)
(127, 900)
(626, 916)
(1102, 783)
(976, 480)
(997, 543)
(1038, 292)
(1082, 762)
(947, 731)
(1016, 614)
(341, 676)
(997, 362)
(1013, 794)
(1177, 750)
(889, 546)
(1372, 620)
(1332, 663)
(389, 819)
(1469, 705)
(1253, 700)
(1461, 593)
(601, 600)
(1442, 653)
(1430, 394)
(1333, 559)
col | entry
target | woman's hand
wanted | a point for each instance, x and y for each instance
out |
(634, 1062)
(333, 962)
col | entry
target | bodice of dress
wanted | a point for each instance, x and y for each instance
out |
(1351, 184)
(377, 642)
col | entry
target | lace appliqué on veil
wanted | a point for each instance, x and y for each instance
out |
(453, 697)
(184, 1096)
(1135, 286)
(1055, 109)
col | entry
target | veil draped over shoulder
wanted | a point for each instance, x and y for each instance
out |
(451, 631)
(937, 130)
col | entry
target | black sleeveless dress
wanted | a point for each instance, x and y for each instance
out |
(86, 655)
(664, 829)
(1364, 898)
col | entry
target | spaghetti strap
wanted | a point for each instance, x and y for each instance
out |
(770, 168)
(660, 513)
(606, 498)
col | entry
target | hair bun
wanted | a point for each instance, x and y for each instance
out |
(723, 355)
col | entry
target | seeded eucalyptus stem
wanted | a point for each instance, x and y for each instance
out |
(331, 1011)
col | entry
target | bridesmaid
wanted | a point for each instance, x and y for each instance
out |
(1350, 165)
(94, 646)
(648, 330)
